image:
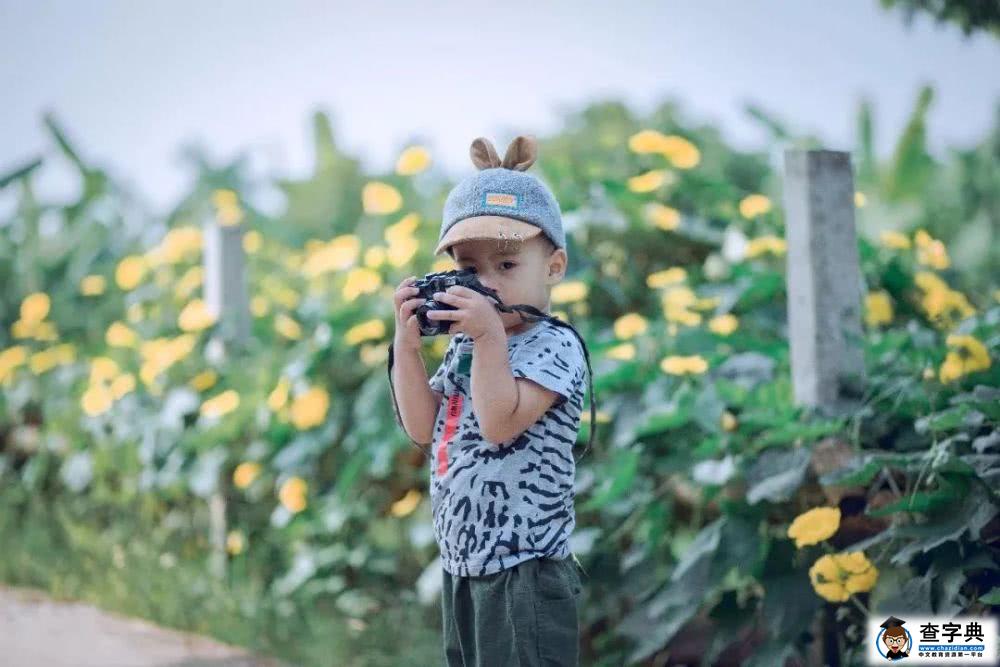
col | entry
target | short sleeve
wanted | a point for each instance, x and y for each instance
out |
(553, 358)
(436, 381)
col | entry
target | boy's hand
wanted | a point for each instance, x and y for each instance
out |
(407, 327)
(475, 314)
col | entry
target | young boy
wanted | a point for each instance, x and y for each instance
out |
(502, 413)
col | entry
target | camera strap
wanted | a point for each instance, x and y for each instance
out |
(530, 314)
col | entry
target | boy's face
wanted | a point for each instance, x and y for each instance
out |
(521, 272)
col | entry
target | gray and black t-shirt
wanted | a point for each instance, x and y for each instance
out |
(496, 506)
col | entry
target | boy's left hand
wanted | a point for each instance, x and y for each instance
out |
(475, 315)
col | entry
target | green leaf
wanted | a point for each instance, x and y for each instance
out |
(776, 474)
(993, 597)
(626, 465)
(950, 490)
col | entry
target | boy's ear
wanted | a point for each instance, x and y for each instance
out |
(557, 266)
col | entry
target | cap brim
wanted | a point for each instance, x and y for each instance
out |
(487, 227)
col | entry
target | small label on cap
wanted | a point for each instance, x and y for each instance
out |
(500, 199)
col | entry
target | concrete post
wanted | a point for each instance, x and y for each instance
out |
(825, 284)
(226, 282)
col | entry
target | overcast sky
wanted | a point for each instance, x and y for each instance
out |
(133, 81)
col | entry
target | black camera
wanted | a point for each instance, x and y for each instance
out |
(440, 282)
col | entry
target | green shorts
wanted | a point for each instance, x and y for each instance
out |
(519, 617)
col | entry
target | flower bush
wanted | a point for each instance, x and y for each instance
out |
(713, 508)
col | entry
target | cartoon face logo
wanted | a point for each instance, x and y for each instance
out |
(896, 638)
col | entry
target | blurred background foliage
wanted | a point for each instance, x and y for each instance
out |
(716, 520)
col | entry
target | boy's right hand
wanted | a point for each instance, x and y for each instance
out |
(407, 327)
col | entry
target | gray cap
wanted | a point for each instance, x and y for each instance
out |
(501, 201)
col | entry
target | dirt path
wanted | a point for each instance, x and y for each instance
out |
(37, 630)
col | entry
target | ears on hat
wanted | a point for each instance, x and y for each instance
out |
(520, 155)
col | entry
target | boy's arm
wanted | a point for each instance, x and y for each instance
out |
(505, 406)
(418, 403)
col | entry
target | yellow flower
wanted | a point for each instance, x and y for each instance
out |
(622, 352)
(178, 244)
(443, 264)
(676, 301)
(728, 421)
(287, 327)
(369, 330)
(279, 395)
(814, 526)
(361, 280)
(405, 505)
(339, 253)
(228, 211)
(223, 197)
(375, 256)
(374, 355)
(969, 356)
(859, 199)
(681, 152)
(293, 494)
(221, 404)
(666, 277)
(835, 576)
(204, 380)
(235, 542)
(189, 282)
(195, 316)
(940, 302)
(661, 216)
(753, 205)
(602, 416)
(402, 250)
(309, 409)
(96, 400)
(35, 307)
(878, 308)
(569, 291)
(630, 326)
(122, 385)
(724, 324)
(413, 160)
(646, 141)
(92, 285)
(895, 240)
(245, 473)
(10, 359)
(762, 244)
(649, 181)
(119, 335)
(934, 255)
(680, 365)
(379, 198)
(43, 361)
(130, 272)
(102, 368)
(252, 241)
(402, 229)
(259, 306)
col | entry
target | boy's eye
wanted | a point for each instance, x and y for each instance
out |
(512, 265)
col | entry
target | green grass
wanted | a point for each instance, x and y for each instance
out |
(49, 547)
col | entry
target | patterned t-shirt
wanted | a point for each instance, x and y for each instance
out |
(494, 507)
